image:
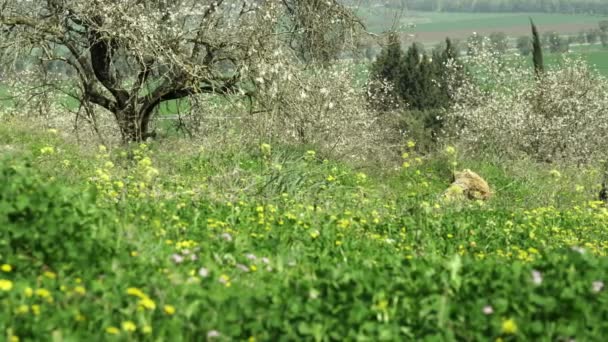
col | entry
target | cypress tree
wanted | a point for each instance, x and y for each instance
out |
(537, 52)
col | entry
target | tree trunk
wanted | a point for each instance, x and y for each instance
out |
(134, 126)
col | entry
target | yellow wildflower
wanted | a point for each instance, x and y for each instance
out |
(147, 303)
(6, 268)
(28, 292)
(36, 309)
(169, 309)
(555, 174)
(265, 149)
(224, 279)
(450, 150)
(22, 309)
(129, 326)
(50, 275)
(47, 150)
(509, 327)
(43, 293)
(5, 285)
(146, 329)
(80, 290)
(112, 330)
(133, 291)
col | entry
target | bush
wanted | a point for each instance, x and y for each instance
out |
(560, 116)
(49, 224)
(415, 85)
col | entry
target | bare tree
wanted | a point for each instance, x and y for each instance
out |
(129, 56)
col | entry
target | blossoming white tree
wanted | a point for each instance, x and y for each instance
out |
(129, 56)
(505, 108)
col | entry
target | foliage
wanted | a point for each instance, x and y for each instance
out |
(557, 117)
(555, 42)
(48, 224)
(524, 45)
(130, 57)
(500, 41)
(325, 108)
(419, 83)
(384, 74)
(306, 248)
(537, 51)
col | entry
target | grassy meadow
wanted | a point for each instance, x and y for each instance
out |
(188, 241)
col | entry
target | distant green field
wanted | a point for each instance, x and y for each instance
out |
(434, 22)
(599, 59)
(434, 26)
(596, 57)
(380, 20)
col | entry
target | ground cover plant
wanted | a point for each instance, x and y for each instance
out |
(277, 243)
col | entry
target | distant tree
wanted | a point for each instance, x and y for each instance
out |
(604, 39)
(581, 38)
(592, 36)
(474, 43)
(419, 80)
(603, 25)
(524, 45)
(129, 57)
(556, 43)
(537, 51)
(388, 62)
(499, 42)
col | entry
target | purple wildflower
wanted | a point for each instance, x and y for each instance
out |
(537, 277)
(488, 310)
(226, 237)
(177, 258)
(578, 249)
(203, 272)
(213, 334)
(598, 286)
(242, 267)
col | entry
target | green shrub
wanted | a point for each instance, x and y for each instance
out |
(50, 224)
